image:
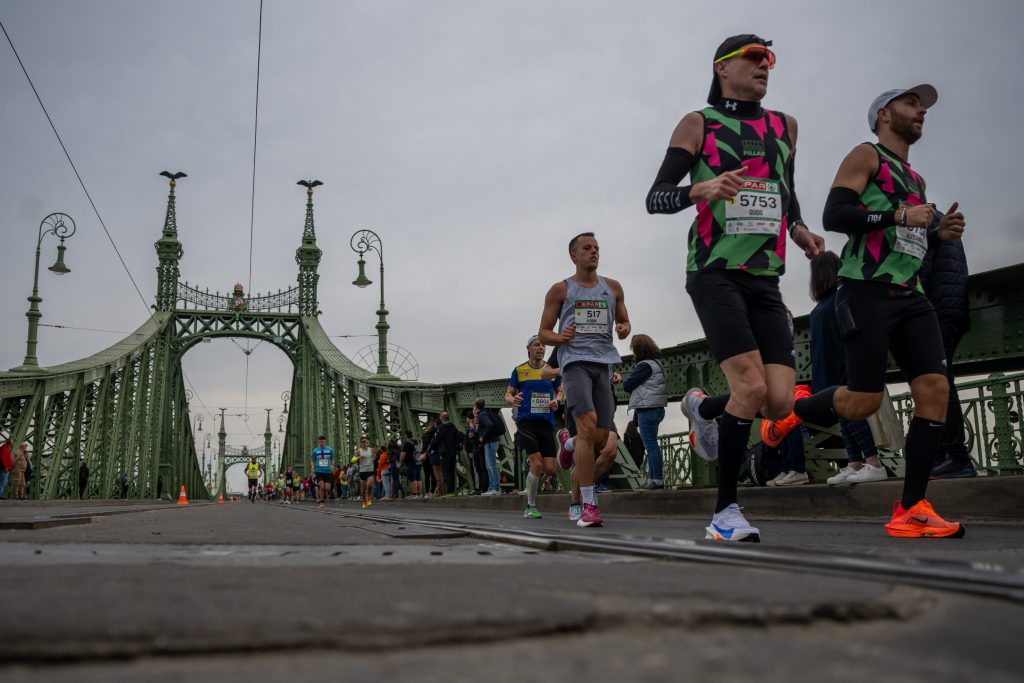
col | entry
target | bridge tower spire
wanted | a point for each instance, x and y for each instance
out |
(308, 257)
(222, 442)
(169, 252)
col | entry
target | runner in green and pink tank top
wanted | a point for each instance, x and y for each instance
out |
(892, 253)
(746, 232)
(740, 158)
(879, 202)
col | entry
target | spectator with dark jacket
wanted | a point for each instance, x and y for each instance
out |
(828, 368)
(487, 433)
(83, 479)
(444, 443)
(944, 278)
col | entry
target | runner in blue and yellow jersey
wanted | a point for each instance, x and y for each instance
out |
(322, 460)
(535, 400)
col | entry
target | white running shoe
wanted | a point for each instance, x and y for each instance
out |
(866, 474)
(705, 432)
(731, 525)
(575, 512)
(841, 476)
(793, 479)
(774, 481)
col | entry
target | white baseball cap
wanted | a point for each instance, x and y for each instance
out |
(928, 94)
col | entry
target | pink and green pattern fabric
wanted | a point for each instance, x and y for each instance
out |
(762, 145)
(890, 254)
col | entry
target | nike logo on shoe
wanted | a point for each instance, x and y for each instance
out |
(724, 533)
(919, 520)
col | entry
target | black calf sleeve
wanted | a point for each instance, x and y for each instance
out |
(732, 445)
(817, 408)
(924, 439)
(713, 406)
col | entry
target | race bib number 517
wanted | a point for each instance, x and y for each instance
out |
(592, 317)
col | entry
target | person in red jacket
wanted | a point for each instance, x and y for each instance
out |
(6, 465)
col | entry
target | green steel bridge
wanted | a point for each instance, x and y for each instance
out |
(125, 410)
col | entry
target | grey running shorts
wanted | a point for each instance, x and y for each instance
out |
(588, 389)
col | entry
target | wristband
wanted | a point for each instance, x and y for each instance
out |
(792, 226)
(902, 222)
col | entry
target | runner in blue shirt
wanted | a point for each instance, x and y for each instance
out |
(322, 460)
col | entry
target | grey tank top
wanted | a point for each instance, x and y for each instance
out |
(593, 311)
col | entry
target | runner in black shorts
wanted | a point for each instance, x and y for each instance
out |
(252, 473)
(878, 200)
(740, 159)
(535, 400)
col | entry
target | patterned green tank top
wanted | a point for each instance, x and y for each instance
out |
(749, 231)
(890, 254)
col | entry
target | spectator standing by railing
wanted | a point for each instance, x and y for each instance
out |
(648, 398)
(944, 278)
(6, 464)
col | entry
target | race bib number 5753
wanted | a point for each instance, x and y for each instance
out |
(756, 210)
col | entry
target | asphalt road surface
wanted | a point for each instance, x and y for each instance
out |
(401, 592)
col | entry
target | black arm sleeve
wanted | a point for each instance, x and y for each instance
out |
(665, 195)
(844, 214)
(793, 214)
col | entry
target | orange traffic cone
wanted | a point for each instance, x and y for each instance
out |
(182, 499)
(220, 499)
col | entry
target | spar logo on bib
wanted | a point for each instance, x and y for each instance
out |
(755, 210)
(761, 185)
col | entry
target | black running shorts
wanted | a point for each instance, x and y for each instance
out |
(741, 312)
(875, 319)
(537, 436)
(254, 483)
(325, 478)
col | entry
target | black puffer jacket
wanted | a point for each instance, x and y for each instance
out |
(944, 278)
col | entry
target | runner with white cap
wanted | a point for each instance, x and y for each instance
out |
(879, 201)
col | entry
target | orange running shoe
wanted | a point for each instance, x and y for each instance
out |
(921, 521)
(774, 431)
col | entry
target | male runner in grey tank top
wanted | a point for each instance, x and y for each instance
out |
(586, 308)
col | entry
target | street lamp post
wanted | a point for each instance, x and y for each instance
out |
(363, 241)
(59, 225)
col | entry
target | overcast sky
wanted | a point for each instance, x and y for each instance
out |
(474, 137)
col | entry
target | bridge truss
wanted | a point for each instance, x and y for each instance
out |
(124, 410)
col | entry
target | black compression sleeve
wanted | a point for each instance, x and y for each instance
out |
(666, 196)
(843, 213)
(793, 214)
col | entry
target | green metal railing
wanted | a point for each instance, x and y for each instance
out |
(992, 422)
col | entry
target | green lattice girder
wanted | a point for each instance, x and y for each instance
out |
(124, 408)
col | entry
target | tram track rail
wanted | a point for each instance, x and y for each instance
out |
(988, 579)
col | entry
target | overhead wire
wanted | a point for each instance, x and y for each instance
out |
(73, 167)
(88, 196)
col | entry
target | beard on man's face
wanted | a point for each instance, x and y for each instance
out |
(903, 126)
